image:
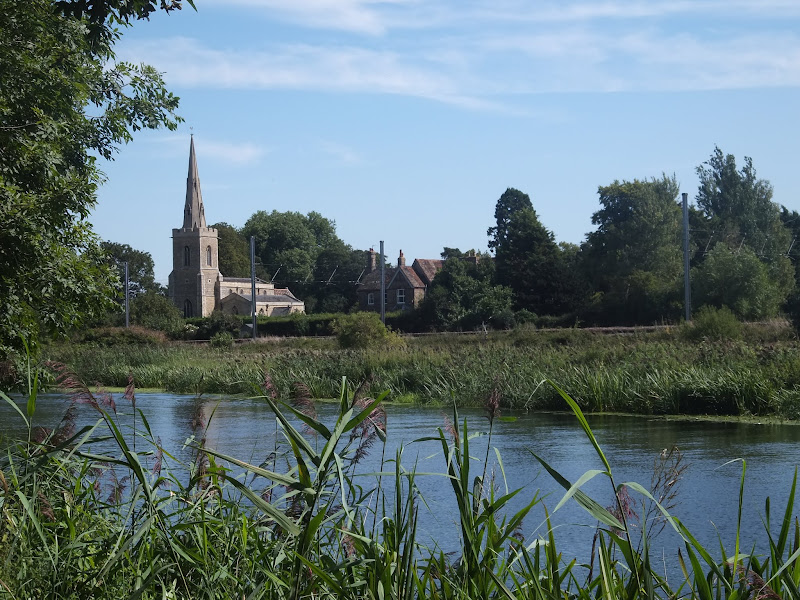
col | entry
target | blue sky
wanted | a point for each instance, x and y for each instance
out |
(405, 120)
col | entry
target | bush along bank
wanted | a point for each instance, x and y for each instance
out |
(78, 522)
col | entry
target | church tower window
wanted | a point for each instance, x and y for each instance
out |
(187, 256)
(187, 310)
(208, 255)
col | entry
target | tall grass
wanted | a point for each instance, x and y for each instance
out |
(136, 522)
(656, 373)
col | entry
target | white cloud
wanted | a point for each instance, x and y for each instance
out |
(485, 70)
(236, 153)
(379, 17)
(341, 153)
(186, 62)
(361, 16)
(580, 59)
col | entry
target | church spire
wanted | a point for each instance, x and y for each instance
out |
(193, 212)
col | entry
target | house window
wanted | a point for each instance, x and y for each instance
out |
(187, 309)
(235, 310)
(371, 299)
(401, 296)
(187, 256)
(208, 256)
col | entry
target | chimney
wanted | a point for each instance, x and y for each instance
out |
(401, 260)
(371, 264)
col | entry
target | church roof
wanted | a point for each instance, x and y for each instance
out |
(279, 298)
(193, 212)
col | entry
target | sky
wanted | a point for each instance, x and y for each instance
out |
(405, 120)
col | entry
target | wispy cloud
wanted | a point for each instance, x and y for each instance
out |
(580, 59)
(360, 16)
(379, 17)
(186, 62)
(236, 153)
(486, 72)
(341, 153)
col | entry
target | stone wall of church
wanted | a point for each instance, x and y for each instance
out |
(195, 270)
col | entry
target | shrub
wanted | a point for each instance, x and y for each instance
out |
(115, 336)
(714, 324)
(219, 322)
(297, 325)
(154, 311)
(362, 330)
(222, 340)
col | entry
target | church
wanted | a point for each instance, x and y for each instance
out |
(196, 285)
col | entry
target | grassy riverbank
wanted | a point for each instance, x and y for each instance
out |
(646, 373)
(78, 521)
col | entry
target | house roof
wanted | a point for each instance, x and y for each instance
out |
(372, 280)
(409, 275)
(427, 268)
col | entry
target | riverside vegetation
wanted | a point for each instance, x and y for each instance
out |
(716, 367)
(80, 520)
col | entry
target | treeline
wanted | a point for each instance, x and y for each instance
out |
(628, 271)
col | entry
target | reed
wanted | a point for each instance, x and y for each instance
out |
(136, 522)
(651, 373)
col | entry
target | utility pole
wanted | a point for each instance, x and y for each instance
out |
(253, 283)
(127, 295)
(383, 287)
(687, 290)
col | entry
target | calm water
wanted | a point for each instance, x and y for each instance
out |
(709, 491)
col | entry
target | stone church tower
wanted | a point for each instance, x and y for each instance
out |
(195, 265)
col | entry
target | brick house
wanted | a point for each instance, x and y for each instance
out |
(405, 286)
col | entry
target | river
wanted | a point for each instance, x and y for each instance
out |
(706, 503)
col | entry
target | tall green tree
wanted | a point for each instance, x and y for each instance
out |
(528, 259)
(304, 253)
(141, 276)
(234, 251)
(736, 278)
(510, 202)
(739, 211)
(634, 258)
(64, 100)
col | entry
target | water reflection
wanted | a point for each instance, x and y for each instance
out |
(708, 498)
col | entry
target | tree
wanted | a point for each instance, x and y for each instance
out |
(102, 16)
(234, 251)
(528, 260)
(511, 202)
(740, 212)
(736, 278)
(304, 252)
(634, 258)
(155, 311)
(463, 296)
(63, 101)
(141, 277)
